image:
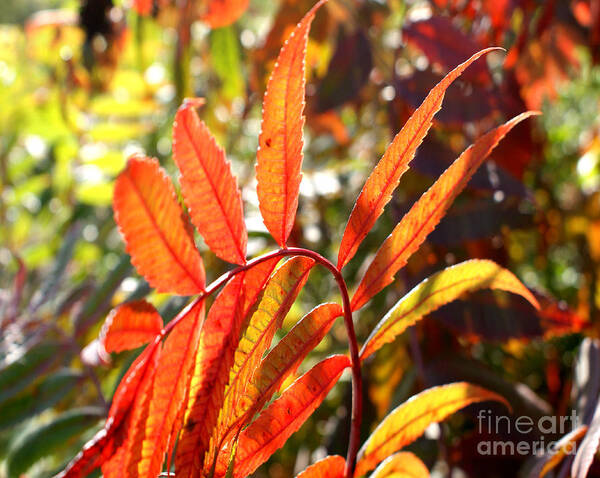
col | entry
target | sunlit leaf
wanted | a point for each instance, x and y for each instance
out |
(169, 388)
(150, 219)
(426, 213)
(267, 317)
(130, 325)
(380, 185)
(209, 187)
(279, 155)
(403, 464)
(408, 421)
(287, 355)
(220, 13)
(286, 414)
(439, 289)
(328, 467)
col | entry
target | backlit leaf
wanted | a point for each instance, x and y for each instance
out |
(426, 213)
(287, 355)
(169, 388)
(272, 307)
(408, 421)
(128, 438)
(130, 325)
(328, 467)
(279, 155)
(439, 289)
(380, 185)
(403, 464)
(218, 340)
(103, 443)
(150, 219)
(286, 414)
(209, 187)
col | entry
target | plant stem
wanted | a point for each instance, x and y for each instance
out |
(356, 415)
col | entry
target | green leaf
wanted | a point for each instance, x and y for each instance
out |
(41, 442)
(43, 395)
(16, 375)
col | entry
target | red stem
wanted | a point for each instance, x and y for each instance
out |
(354, 439)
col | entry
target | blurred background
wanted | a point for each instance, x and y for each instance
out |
(84, 84)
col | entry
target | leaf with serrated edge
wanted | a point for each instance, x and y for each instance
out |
(209, 188)
(150, 219)
(286, 356)
(218, 341)
(407, 422)
(279, 155)
(130, 326)
(101, 446)
(129, 437)
(426, 213)
(403, 464)
(285, 415)
(169, 388)
(268, 314)
(329, 467)
(380, 185)
(439, 289)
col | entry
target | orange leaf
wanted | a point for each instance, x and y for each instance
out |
(285, 415)
(102, 445)
(221, 13)
(130, 325)
(439, 289)
(150, 219)
(380, 185)
(401, 465)
(169, 389)
(329, 467)
(218, 341)
(407, 422)
(426, 213)
(286, 356)
(209, 188)
(268, 314)
(130, 433)
(279, 155)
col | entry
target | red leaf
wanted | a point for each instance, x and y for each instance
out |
(287, 355)
(268, 314)
(285, 415)
(426, 213)
(380, 185)
(130, 325)
(218, 341)
(221, 13)
(169, 389)
(102, 445)
(128, 438)
(208, 186)
(150, 219)
(328, 467)
(279, 155)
